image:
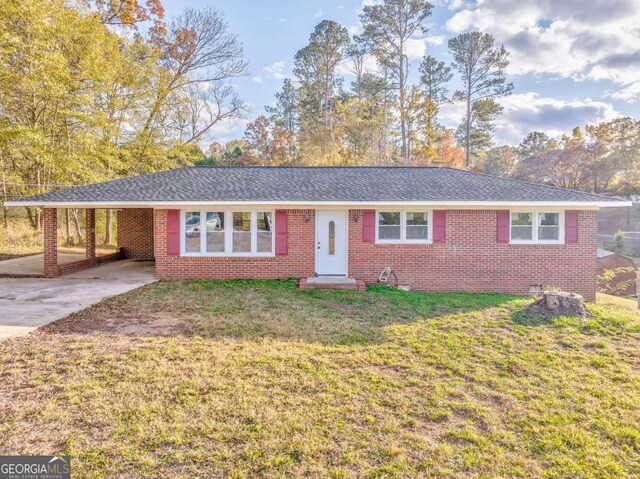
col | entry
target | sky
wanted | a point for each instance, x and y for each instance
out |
(573, 62)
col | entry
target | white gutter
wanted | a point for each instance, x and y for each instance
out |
(321, 204)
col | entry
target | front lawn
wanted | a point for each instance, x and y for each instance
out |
(260, 379)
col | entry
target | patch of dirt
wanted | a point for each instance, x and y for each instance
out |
(151, 324)
(164, 325)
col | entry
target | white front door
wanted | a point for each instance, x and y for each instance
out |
(331, 242)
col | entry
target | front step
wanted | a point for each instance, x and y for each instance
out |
(332, 282)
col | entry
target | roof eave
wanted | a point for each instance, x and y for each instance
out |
(317, 204)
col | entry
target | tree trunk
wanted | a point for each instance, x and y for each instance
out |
(67, 226)
(5, 197)
(76, 224)
(468, 128)
(403, 120)
(32, 220)
(107, 229)
(382, 146)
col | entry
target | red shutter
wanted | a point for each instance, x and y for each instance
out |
(369, 226)
(571, 226)
(281, 232)
(504, 225)
(439, 226)
(173, 232)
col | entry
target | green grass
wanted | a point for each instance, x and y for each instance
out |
(621, 302)
(260, 379)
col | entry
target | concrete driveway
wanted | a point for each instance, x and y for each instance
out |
(27, 303)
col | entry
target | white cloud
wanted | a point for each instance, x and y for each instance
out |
(526, 112)
(340, 7)
(417, 47)
(435, 39)
(629, 93)
(226, 130)
(257, 79)
(318, 13)
(578, 39)
(275, 70)
(368, 3)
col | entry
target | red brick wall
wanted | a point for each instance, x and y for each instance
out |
(299, 262)
(472, 260)
(469, 260)
(50, 235)
(135, 232)
(90, 231)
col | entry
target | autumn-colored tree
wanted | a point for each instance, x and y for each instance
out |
(500, 160)
(388, 27)
(285, 112)
(81, 102)
(315, 67)
(267, 141)
(615, 148)
(606, 159)
(563, 166)
(440, 151)
(130, 13)
(361, 116)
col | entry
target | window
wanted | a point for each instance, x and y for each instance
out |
(536, 227)
(417, 226)
(241, 232)
(332, 237)
(389, 225)
(192, 232)
(522, 226)
(265, 231)
(548, 226)
(248, 233)
(215, 231)
(403, 227)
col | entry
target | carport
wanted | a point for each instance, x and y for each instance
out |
(135, 242)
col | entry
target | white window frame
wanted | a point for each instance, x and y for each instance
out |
(534, 219)
(228, 232)
(403, 227)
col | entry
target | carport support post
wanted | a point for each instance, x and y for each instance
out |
(90, 227)
(50, 242)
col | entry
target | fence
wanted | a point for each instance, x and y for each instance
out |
(631, 243)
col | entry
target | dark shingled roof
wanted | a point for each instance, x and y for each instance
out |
(349, 184)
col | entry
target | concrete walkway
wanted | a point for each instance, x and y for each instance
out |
(26, 303)
(33, 265)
